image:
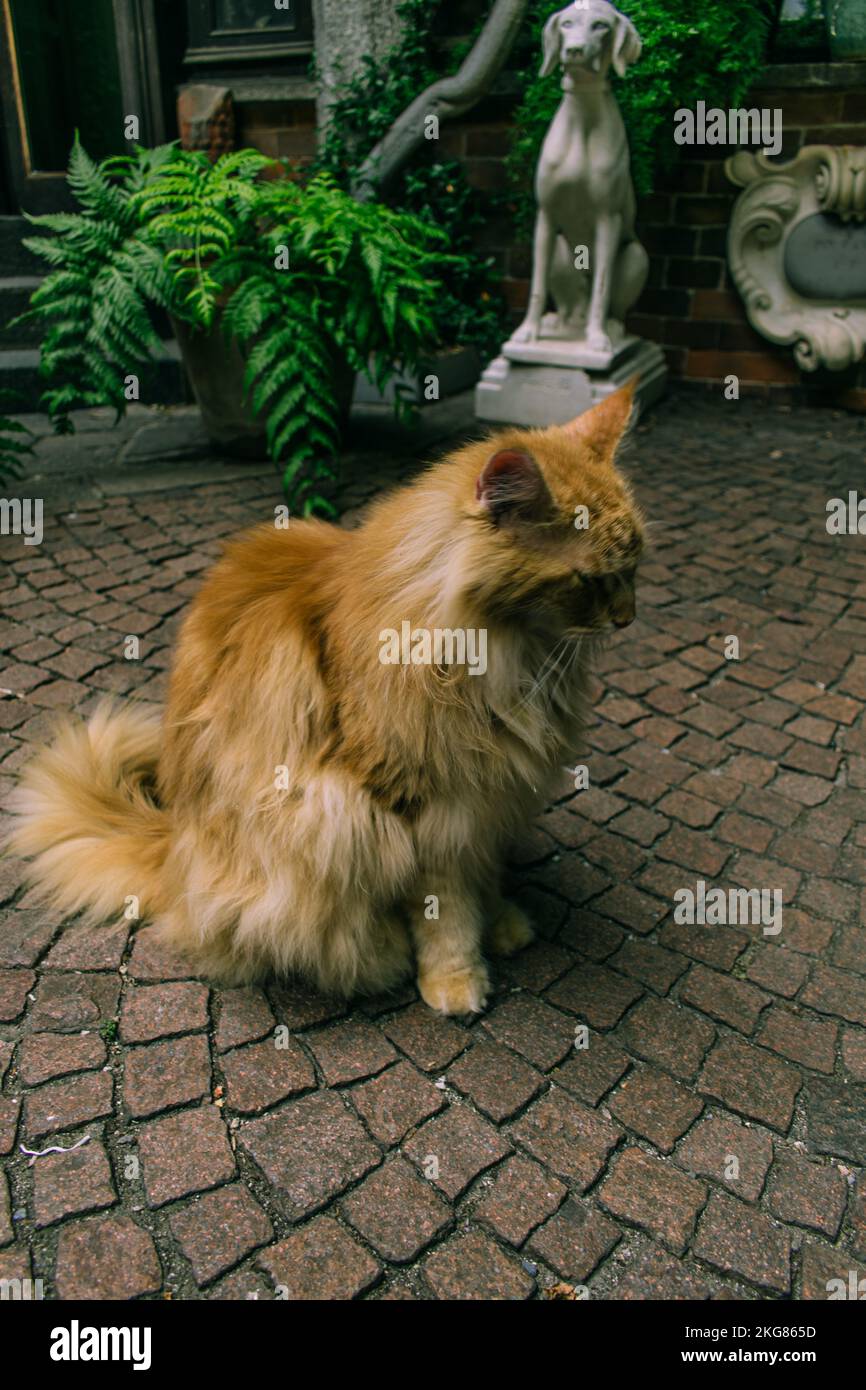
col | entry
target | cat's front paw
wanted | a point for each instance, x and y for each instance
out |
(510, 932)
(458, 992)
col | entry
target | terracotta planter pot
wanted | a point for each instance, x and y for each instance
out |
(215, 367)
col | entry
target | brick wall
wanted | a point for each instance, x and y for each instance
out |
(690, 305)
(281, 129)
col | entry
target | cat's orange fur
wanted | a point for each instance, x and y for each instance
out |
(401, 784)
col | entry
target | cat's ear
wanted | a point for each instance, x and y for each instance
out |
(604, 425)
(510, 485)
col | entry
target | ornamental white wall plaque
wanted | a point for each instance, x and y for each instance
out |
(797, 250)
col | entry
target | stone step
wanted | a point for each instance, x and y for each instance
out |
(15, 259)
(15, 292)
(22, 386)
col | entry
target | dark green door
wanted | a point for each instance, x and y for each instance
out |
(60, 74)
(86, 66)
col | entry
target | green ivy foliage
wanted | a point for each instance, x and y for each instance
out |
(692, 51)
(306, 279)
(470, 308)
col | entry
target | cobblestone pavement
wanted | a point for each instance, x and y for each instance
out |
(708, 1142)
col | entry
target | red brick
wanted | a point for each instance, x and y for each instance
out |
(218, 1229)
(540, 1034)
(10, 1109)
(744, 831)
(575, 1241)
(807, 1194)
(836, 992)
(262, 1074)
(462, 1146)
(67, 1104)
(648, 1193)
(350, 1051)
(835, 1117)
(495, 1079)
(590, 1071)
(89, 948)
(472, 1267)
(320, 1263)
(67, 1183)
(828, 1274)
(245, 1016)
(106, 1258)
(728, 1000)
(166, 1074)
(810, 1042)
(310, 1151)
(152, 960)
(778, 970)
(751, 1082)
(396, 1211)
(396, 1101)
(673, 1037)
(693, 851)
(655, 1107)
(649, 963)
(635, 910)
(24, 934)
(567, 1137)
(739, 1240)
(655, 1275)
(15, 985)
(184, 1153)
(159, 1011)
(595, 994)
(854, 1053)
(721, 1148)
(522, 1196)
(43, 1056)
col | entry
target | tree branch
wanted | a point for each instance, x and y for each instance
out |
(446, 98)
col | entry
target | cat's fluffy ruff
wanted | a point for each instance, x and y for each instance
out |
(400, 785)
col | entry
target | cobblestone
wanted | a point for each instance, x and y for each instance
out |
(656, 1108)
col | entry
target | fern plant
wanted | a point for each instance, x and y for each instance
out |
(16, 443)
(309, 282)
(470, 307)
(104, 274)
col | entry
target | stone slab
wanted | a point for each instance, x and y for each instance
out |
(537, 396)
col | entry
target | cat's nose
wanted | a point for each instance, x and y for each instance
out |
(622, 611)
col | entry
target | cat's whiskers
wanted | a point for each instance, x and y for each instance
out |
(548, 666)
(568, 668)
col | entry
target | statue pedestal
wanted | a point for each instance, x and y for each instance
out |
(549, 382)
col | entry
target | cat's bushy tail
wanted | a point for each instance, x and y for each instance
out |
(85, 817)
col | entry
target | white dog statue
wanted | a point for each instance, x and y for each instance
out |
(585, 253)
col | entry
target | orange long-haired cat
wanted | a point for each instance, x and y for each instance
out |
(330, 787)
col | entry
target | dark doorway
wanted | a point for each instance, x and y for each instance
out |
(85, 67)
